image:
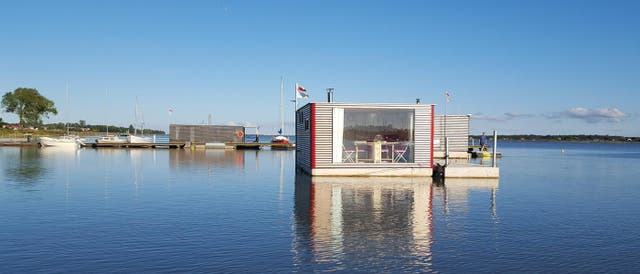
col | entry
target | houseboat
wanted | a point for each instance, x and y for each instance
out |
(364, 139)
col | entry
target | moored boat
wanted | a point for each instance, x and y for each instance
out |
(280, 141)
(66, 141)
(110, 139)
(139, 139)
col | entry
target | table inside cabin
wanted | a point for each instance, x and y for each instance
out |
(376, 150)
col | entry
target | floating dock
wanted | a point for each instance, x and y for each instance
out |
(19, 144)
(135, 145)
(274, 146)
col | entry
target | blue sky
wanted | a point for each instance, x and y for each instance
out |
(540, 67)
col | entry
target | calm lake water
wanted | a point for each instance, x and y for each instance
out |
(248, 211)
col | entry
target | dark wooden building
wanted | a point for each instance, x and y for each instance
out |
(206, 133)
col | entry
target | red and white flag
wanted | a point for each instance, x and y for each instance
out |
(170, 111)
(301, 92)
(448, 96)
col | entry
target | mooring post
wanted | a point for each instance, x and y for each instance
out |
(446, 151)
(495, 148)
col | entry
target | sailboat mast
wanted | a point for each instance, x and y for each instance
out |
(106, 98)
(141, 121)
(65, 113)
(281, 106)
(135, 123)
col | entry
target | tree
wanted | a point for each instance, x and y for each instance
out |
(29, 105)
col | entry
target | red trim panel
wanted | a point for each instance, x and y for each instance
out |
(313, 136)
(432, 135)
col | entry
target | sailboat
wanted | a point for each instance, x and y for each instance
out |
(66, 141)
(139, 139)
(109, 138)
(280, 138)
(135, 138)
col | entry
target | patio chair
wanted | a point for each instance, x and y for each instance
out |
(399, 152)
(348, 155)
(386, 153)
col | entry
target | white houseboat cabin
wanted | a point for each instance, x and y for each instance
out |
(356, 139)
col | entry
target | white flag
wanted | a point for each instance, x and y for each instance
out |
(301, 92)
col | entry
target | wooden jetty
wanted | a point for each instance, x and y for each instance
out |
(135, 145)
(181, 145)
(19, 144)
(274, 146)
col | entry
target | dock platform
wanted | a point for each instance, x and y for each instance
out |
(19, 144)
(135, 145)
(274, 146)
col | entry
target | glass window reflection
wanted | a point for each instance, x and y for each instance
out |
(373, 135)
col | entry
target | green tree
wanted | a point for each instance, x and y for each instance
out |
(29, 105)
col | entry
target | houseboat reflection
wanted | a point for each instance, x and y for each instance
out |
(369, 220)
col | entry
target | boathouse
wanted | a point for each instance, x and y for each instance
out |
(455, 128)
(206, 133)
(356, 139)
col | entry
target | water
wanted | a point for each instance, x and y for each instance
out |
(248, 211)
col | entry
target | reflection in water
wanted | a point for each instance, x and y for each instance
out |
(25, 168)
(364, 221)
(137, 164)
(454, 194)
(209, 157)
(377, 223)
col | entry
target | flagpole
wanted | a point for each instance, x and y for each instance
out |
(445, 114)
(295, 107)
(295, 98)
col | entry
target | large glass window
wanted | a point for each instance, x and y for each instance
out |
(370, 135)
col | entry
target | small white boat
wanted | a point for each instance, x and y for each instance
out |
(110, 139)
(67, 141)
(139, 139)
(280, 139)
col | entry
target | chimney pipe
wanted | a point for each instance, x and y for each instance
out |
(329, 95)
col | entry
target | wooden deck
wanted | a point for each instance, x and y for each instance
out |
(274, 146)
(136, 145)
(19, 144)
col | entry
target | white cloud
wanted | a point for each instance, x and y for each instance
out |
(600, 115)
(504, 117)
(512, 115)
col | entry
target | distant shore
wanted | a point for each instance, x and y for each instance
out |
(566, 138)
(23, 133)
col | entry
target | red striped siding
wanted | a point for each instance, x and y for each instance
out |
(313, 136)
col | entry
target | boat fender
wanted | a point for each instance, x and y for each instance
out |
(438, 174)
